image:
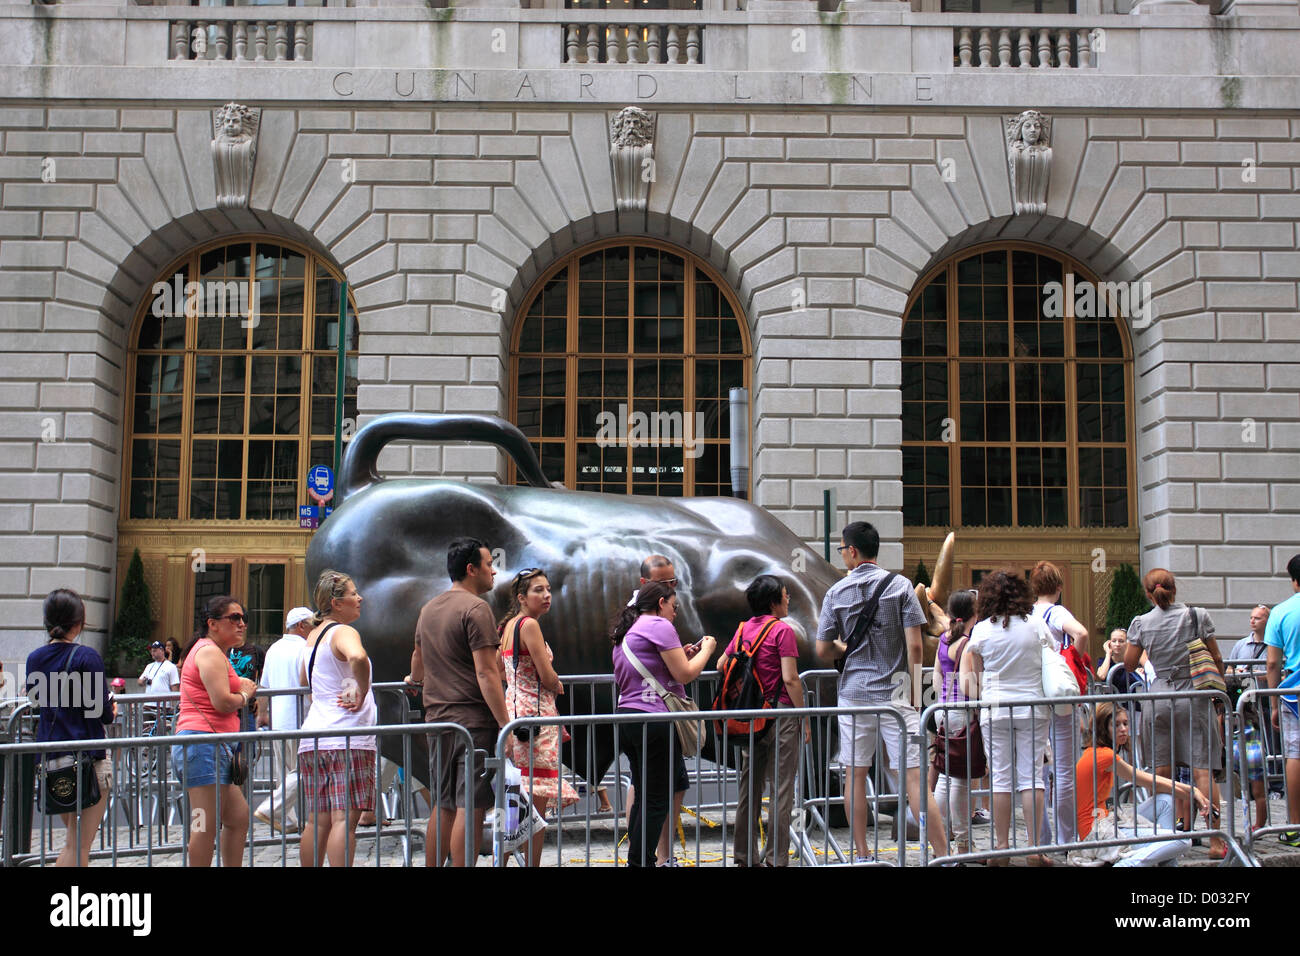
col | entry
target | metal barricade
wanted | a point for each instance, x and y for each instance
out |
(511, 814)
(1033, 716)
(825, 774)
(173, 836)
(1254, 716)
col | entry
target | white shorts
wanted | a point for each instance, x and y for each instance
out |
(1290, 731)
(860, 733)
(1021, 741)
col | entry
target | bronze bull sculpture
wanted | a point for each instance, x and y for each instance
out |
(391, 536)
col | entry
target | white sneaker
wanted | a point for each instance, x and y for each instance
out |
(861, 860)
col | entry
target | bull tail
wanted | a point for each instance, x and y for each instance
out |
(359, 463)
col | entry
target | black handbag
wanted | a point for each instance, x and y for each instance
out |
(74, 788)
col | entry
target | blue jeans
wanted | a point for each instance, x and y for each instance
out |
(1160, 811)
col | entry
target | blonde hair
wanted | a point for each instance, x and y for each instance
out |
(330, 586)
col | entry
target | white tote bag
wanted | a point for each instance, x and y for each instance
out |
(1058, 679)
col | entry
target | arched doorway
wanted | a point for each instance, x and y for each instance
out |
(1018, 421)
(230, 390)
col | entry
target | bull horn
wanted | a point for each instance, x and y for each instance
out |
(941, 587)
(926, 608)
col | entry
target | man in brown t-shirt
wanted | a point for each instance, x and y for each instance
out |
(458, 638)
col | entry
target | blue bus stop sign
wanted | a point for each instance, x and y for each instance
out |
(321, 480)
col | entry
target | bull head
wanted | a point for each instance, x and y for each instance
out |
(934, 599)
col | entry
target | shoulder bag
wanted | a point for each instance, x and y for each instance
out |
(517, 649)
(688, 731)
(75, 787)
(952, 747)
(1058, 679)
(1200, 662)
(865, 620)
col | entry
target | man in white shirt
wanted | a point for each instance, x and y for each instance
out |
(161, 675)
(285, 712)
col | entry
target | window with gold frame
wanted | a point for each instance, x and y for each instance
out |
(226, 412)
(622, 359)
(1013, 417)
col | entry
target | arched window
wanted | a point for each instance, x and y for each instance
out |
(227, 411)
(622, 360)
(1016, 410)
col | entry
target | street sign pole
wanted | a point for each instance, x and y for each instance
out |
(338, 387)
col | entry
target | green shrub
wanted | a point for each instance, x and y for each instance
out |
(1127, 598)
(128, 648)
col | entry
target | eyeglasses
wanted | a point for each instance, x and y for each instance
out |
(235, 619)
(844, 547)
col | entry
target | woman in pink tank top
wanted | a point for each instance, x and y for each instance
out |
(211, 695)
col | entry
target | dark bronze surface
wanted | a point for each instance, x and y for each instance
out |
(391, 536)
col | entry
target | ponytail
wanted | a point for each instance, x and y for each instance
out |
(1159, 584)
(961, 615)
(646, 602)
(64, 611)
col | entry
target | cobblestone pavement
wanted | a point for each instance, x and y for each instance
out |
(700, 843)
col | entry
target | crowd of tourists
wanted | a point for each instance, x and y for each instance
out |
(1140, 772)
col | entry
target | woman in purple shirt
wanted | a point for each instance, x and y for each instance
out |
(646, 628)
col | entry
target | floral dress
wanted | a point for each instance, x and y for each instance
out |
(526, 697)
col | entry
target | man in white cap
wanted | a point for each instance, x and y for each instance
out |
(286, 711)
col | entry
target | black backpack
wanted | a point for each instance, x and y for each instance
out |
(741, 689)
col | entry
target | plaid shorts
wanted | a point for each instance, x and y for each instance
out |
(337, 779)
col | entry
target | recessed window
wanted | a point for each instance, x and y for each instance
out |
(233, 379)
(1016, 410)
(624, 357)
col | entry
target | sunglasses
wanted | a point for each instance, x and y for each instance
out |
(527, 573)
(235, 619)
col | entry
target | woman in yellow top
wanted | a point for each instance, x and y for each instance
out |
(1098, 783)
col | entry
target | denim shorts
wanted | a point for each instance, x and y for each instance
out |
(204, 764)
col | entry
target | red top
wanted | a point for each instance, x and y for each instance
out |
(197, 712)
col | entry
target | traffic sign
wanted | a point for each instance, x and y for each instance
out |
(307, 516)
(321, 480)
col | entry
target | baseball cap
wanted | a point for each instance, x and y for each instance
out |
(297, 616)
(155, 644)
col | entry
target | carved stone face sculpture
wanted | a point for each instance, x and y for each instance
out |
(632, 126)
(234, 124)
(1030, 130)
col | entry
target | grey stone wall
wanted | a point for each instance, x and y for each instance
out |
(846, 206)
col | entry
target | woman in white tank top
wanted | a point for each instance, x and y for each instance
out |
(336, 774)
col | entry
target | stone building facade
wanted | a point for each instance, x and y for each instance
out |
(819, 167)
